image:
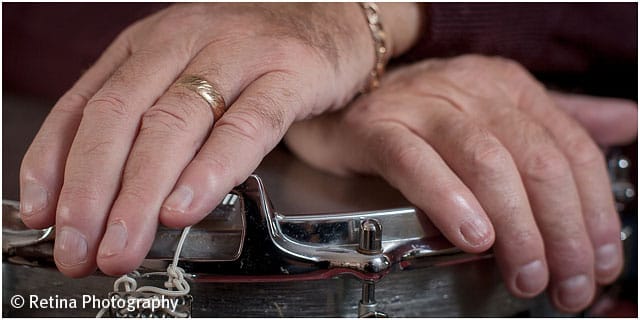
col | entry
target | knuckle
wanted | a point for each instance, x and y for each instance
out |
(486, 155)
(71, 102)
(125, 36)
(123, 42)
(119, 76)
(39, 154)
(583, 152)
(240, 124)
(107, 105)
(74, 193)
(188, 12)
(509, 66)
(545, 164)
(214, 165)
(27, 167)
(261, 114)
(268, 106)
(518, 80)
(389, 155)
(404, 159)
(96, 147)
(170, 119)
(136, 191)
(574, 250)
(514, 76)
(144, 159)
(525, 239)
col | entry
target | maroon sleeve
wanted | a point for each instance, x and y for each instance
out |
(545, 37)
(47, 46)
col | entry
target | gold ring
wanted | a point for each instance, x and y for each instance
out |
(207, 91)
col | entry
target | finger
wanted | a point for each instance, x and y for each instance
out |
(99, 150)
(408, 163)
(589, 170)
(609, 121)
(42, 169)
(170, 134)
(251, 127)
(555, 201)
(487, 168)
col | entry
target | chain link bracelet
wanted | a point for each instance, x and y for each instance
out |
(379, 36)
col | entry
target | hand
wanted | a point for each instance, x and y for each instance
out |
(125, 147)
(486, 152)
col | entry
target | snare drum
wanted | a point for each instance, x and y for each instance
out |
(277, 254)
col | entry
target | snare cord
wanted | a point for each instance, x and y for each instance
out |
(175, 280)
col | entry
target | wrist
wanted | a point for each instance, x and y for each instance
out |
(401, 22)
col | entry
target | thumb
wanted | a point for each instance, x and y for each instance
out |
(609, 121)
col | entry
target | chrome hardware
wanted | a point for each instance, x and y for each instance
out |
(370, 244)
(626, 233)
(245, 240)
(16, 234)
(370, 237)
(367, 306)
(624, 192)
(218, 237)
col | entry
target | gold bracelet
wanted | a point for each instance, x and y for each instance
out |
(371, 10)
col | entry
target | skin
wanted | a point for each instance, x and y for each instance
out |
(124, 149)
(494, 160)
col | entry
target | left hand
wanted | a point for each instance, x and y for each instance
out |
(130, 145)
(485, 151)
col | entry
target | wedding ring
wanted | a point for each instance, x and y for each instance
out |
(207, 91)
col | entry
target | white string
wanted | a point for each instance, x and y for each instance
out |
(175, 280)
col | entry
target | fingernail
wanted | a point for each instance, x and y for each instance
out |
(574, 293)
(607, 257)
(71, 247)
(180, 199)
(531, 278)
(114, 240)
(33, 198)
(475, 232)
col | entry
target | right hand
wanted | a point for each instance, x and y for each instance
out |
(487, 153)
(125, 148)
